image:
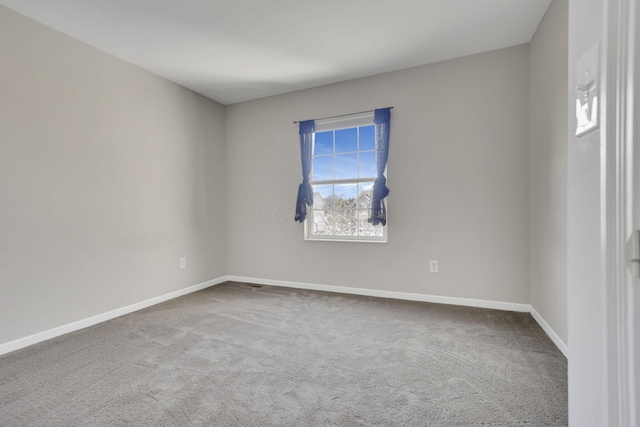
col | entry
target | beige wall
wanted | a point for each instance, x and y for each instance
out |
(458, 173)
(108, 174)
(548, 167)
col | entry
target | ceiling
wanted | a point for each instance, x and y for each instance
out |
(238, 50)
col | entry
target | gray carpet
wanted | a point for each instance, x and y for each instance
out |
(237, 355)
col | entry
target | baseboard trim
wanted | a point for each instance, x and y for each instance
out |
(90, 321)
(469, 302)
(562, 346)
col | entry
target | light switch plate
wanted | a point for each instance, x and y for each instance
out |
(587, 91)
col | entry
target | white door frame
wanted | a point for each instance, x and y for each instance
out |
(621, 206)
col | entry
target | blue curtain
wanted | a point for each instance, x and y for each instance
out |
(305, 191)
(382, 119)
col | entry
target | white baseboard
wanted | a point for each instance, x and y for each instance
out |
(469, 302)
(562, 346)
(89, 321)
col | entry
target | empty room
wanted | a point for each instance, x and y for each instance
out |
(299, 213)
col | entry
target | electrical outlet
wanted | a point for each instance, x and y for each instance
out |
(433, 266)
(183, 263)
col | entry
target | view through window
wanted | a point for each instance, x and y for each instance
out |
(342, 176)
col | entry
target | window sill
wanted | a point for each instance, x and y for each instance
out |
(342, 240)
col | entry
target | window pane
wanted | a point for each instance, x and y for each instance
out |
(323, 143)
(364, 195)
(367, 138)
(345, 222)
(322, 168)
(345, 196)
(330, 222)
(364, 226)
(320, 225)
(368, 165)
(365, 186)
(346, 140)
(347, 166)
(323, 196)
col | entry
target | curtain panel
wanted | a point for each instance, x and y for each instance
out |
(381, 120)
(305, 191)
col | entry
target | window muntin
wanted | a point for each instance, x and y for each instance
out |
(342, 175)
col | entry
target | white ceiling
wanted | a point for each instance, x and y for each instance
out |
(237, 50)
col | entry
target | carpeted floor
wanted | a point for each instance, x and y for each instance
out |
(238, 355)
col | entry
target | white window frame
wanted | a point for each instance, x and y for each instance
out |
(347, 122)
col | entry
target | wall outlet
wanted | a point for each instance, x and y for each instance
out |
(183, 263)
(433, 266)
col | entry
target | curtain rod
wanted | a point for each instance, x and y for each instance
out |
(344, 115)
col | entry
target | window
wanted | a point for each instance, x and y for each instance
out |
(343, 171)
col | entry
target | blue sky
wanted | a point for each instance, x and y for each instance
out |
(342, 151)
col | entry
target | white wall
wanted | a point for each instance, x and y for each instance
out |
(108, 174)
(586, 296)
(458, 173)
(548, 167)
